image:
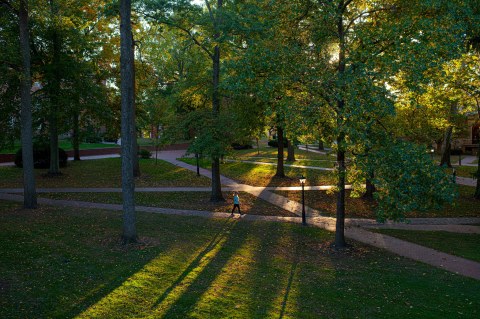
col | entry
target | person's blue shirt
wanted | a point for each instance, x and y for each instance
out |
(236, 200)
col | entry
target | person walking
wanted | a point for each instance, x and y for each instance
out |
(236, 203)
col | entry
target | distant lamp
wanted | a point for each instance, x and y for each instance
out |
(431, 152)
(302, 181)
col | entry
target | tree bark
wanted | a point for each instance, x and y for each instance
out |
(54, 101)
(29, 191)
(127, 99)
(321, 147)
(216, 184)
(370, 187)
(76, 137)
(477, 188)
(446, 148)
(136, 162)
(280, 169)
(290, 152)
(340, 213)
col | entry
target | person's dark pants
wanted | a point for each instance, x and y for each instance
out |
(236, 206)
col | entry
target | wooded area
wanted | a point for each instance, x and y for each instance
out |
(377, 81)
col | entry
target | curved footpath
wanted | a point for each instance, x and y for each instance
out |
(356, 229)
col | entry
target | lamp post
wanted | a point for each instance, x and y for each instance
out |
(302, 181)
(431, 153)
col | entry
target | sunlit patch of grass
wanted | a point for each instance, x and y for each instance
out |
(272, 152)
(264, 175)
(298, 162)
(181, 200)
(106, 173)
(463, 245)
(67, 262)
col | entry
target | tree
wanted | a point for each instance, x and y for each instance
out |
(128, 152)
(366, 44)
(206, 33)
(30, 196)
(29, 192)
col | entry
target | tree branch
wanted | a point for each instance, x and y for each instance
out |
(210, 12)
(8, 5)
(187, 31)
(350, 23)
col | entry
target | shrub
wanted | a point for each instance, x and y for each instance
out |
(274, 143)
(41, 156)
(145, 154)
(238, 146)
(456, 152)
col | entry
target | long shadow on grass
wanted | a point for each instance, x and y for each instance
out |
(227, 226)
(266, 278)
(116, 274)
(293, 270)
(232, 240)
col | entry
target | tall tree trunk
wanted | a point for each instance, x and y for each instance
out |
(369, 186)
(280, 169)
(76, 137)
(216, 184)
(477, 189)
(340, 214)
(321, 147)
(136, 163)
(29, 192)
(54, 101)
(126, 64)
(446, 147)
(290, 152)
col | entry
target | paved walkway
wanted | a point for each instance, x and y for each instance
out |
(467, 160)
(355, 228)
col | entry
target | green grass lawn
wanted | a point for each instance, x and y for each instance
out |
(465, 205)
(65, 144)
(263, 175)
(63, 262)
(271, 152)
(465, 171)
(106, 173)
(304, 162)
(181, 200)
(463, 245)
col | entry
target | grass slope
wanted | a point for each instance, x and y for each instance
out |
(61, 263)
(106, 173)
